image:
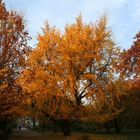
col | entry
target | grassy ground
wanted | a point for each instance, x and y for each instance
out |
(31, 135)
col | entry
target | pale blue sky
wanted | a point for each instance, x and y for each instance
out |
(123, 15)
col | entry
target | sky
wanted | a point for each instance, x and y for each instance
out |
(123, 15)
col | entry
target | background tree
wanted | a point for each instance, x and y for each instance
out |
(130, 67)
(13, 49)
(67, 72)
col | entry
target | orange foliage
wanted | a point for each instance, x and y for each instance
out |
(67, 72)
(130, 65)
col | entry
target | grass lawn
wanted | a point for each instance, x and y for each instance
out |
(31, 135)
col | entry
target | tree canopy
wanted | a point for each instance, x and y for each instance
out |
(68, 72)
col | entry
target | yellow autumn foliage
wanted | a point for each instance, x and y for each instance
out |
(68, 71)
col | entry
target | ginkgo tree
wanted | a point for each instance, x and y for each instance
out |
(66, 73)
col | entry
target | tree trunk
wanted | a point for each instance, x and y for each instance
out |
(34, 122)
(117, 128)
(106, 128)
(55, 128)
(137, 125)
(65, 126)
